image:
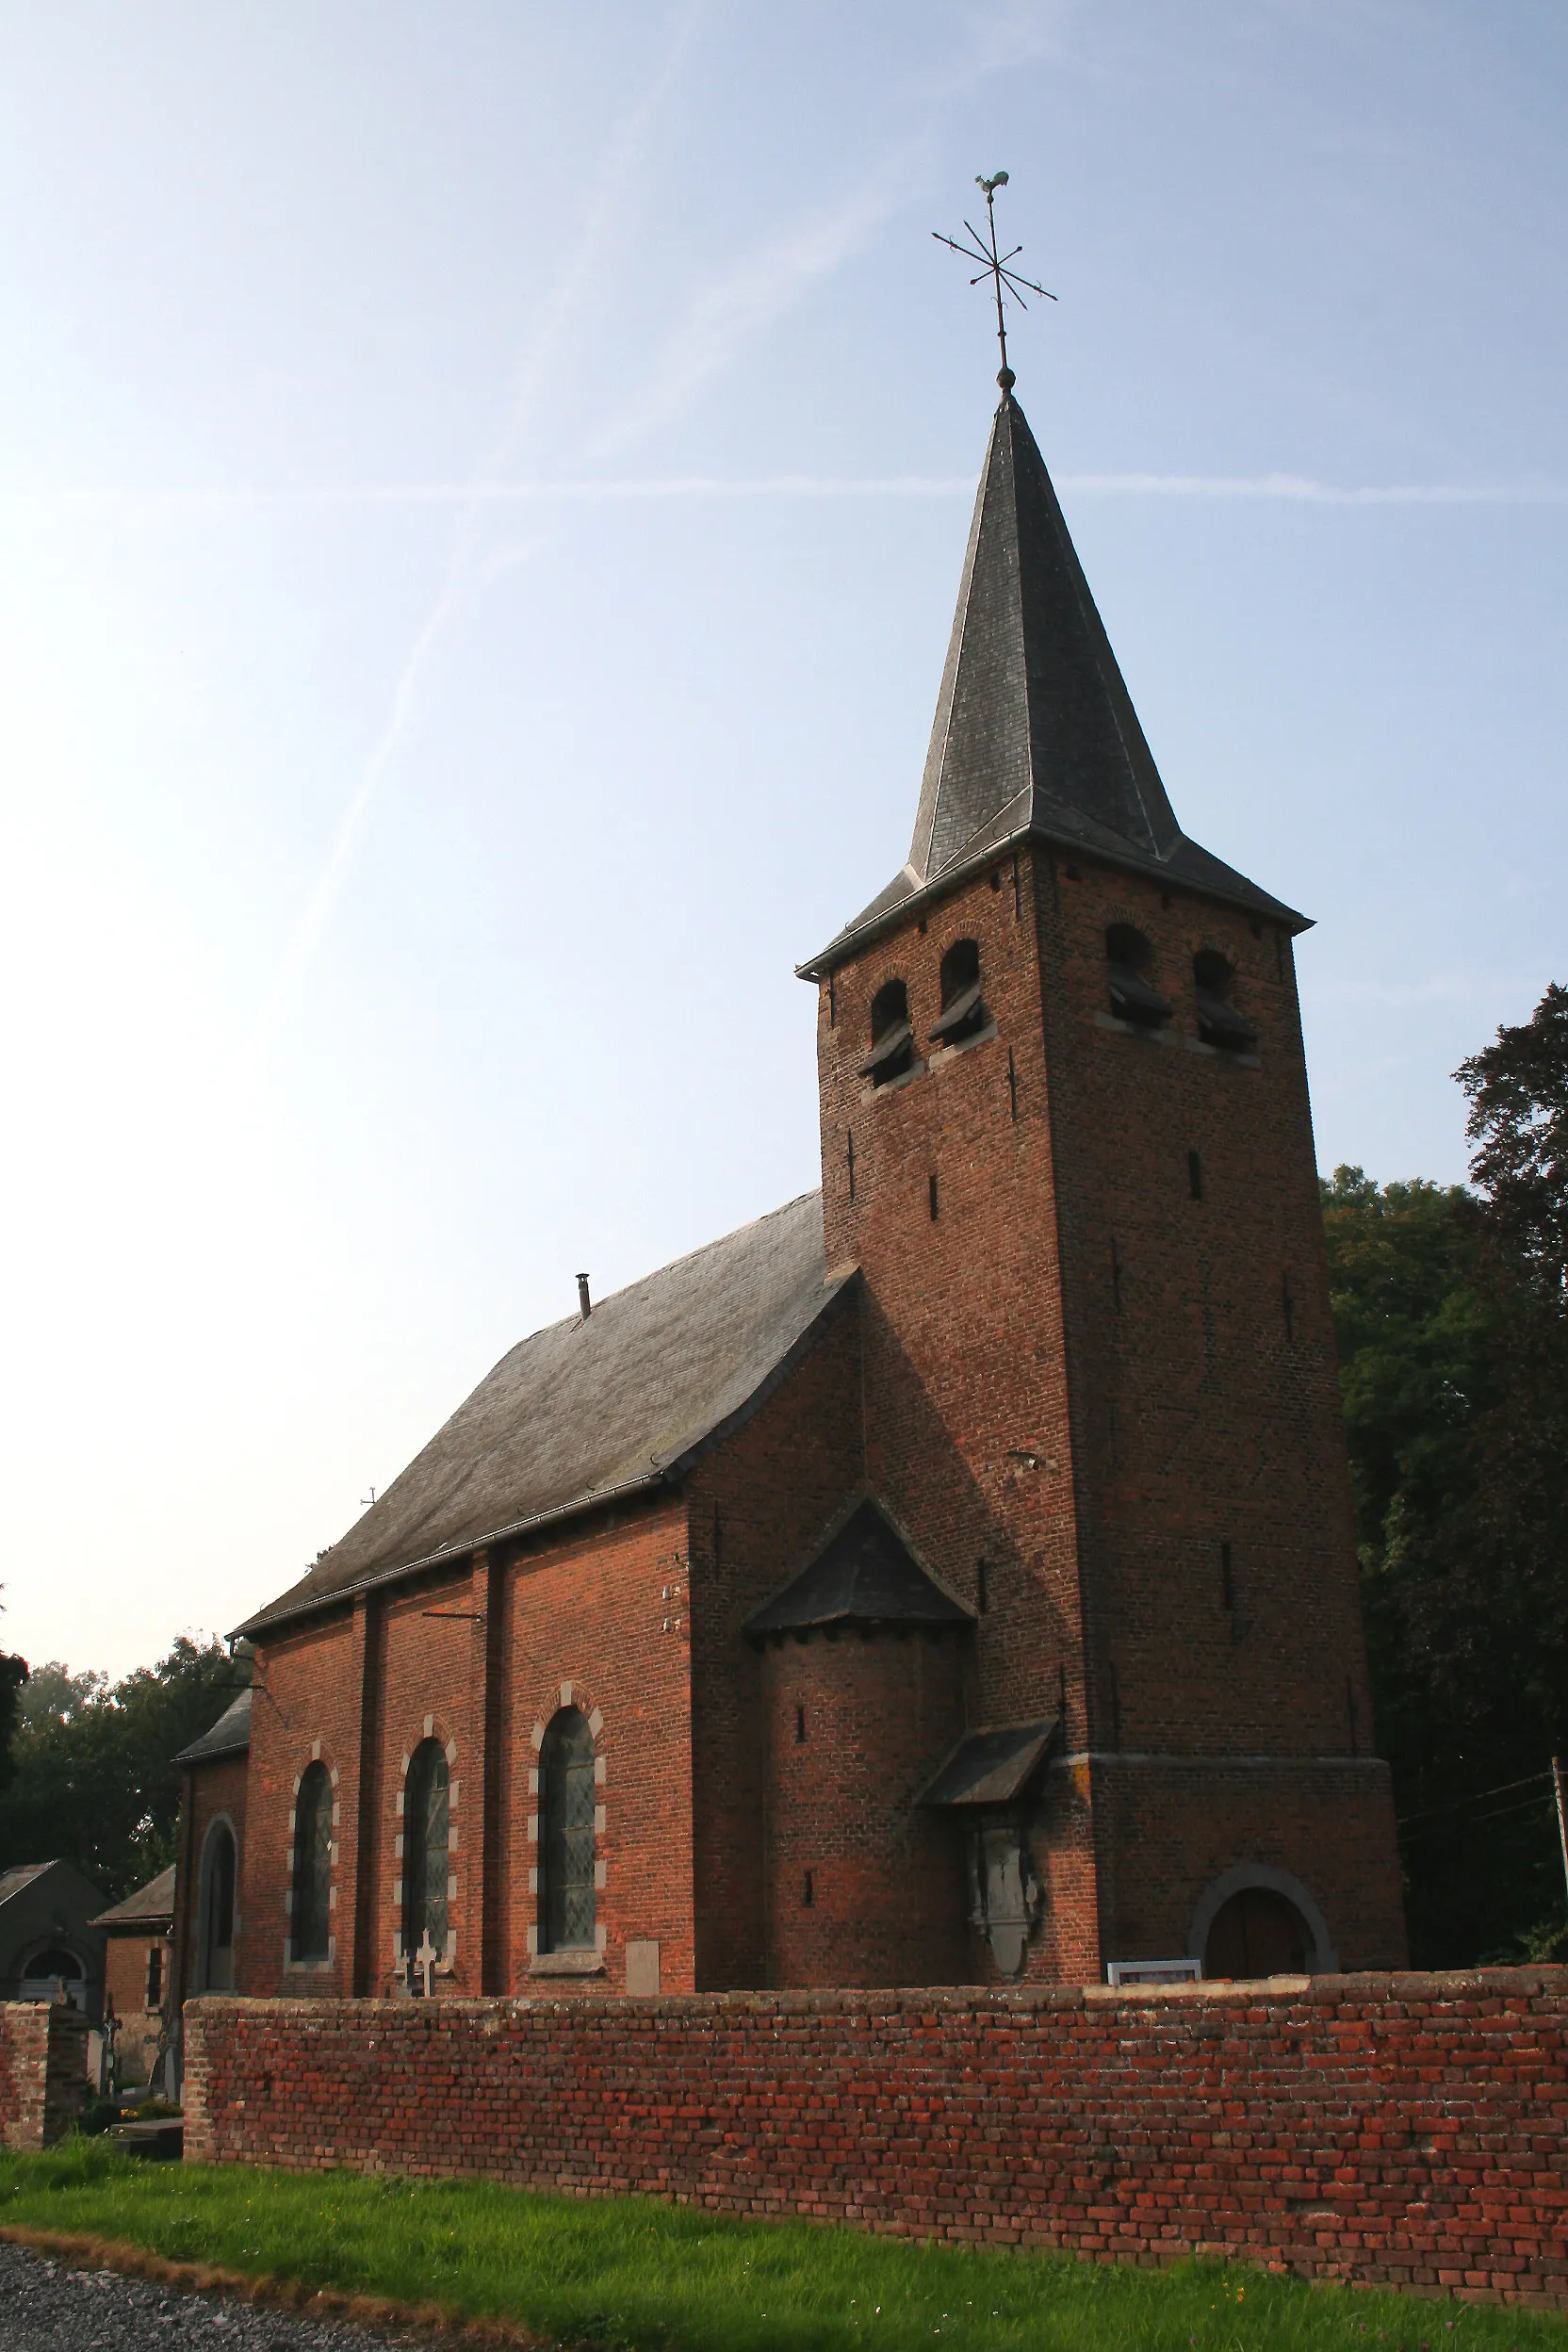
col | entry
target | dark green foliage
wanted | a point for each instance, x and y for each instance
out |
(13, 1678)
(93, 1781)
(1453, 1340)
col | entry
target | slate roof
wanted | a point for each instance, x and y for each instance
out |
(865, 1575)
(587, 1410)
(12, 1882)
(149, 1906)
(992, 1766)
(229, 1736)
(1035, 734)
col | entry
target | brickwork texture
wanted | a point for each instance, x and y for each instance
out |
(43, 2082)
(1406, 2131)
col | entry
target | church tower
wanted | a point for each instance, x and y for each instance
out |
(1067, 1143)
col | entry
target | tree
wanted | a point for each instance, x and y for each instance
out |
(1453, 1335)
(14, 1681)
(94, 1781)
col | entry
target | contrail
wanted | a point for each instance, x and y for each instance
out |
(458, 581)
(489, 496)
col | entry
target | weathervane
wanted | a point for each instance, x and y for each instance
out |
(1006, 280)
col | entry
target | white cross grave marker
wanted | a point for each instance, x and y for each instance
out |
(424, 1961)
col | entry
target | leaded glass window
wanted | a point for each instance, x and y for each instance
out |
(311, 1864)
(425, 1809)
(566, 1834)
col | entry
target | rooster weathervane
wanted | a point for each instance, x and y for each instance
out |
(994, 265)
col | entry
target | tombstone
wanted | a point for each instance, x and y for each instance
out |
(424, 1962)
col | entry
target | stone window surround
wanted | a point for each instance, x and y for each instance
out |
(312, 1968)
(435, 1727)
(569, 1963)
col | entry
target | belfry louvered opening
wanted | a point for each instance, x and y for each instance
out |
(1218, 1020)
(1129, 960)
(963, 1011)
(893, 1038)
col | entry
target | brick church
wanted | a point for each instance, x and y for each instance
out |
(948, 1578)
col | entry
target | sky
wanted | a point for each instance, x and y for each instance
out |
(483, 491)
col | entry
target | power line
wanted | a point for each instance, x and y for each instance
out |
(1478, 1796)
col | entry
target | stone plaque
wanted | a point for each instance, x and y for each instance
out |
(642, 1966)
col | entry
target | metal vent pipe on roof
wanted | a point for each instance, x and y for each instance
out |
(582, 1298)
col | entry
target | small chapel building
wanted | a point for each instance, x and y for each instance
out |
(948, 1578)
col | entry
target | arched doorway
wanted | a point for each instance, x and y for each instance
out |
(1258, 1931)
(53, 1974)
(216, 1971)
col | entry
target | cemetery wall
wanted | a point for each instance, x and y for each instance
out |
(1408, 2131)
(42, 2073)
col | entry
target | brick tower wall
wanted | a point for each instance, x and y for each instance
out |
(968, 1435)
(1082, 1375)
(757, 1505)
(1218, 1554)
(863, 1887)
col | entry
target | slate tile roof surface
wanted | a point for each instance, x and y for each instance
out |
(587, 1409)
(150, 1905)
(12, 1882)
(865, 1575)
(229, 1736)
(1034, 732)
(993, 1766)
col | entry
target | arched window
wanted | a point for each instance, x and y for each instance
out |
(893, 1040)
(567, 1834)
(218, 1877)
(1128, 963)
(1219, 1022)
(54, 1974)
(311, 1916)
(426, 1806)
(963, 1007)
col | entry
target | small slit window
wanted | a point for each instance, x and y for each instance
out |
(1128, 964)
(427, 1809)
(1219, 1022)
(892, 1040)
(312, 1865)
(963, 1007)
(566, 1919)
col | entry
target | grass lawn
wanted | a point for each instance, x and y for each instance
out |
(630, 2272)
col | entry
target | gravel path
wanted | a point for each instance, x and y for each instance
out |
(45, 2303)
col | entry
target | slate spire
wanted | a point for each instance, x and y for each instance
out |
(1033, 721)
(1034, 732)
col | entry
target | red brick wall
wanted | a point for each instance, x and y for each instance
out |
(598, 1608)
(1407, 2130)
(863, 1887)
(212, 1789)
(308, 1682)
(603, 1611)
(1206, 1415)
(1081, 1375)
(758, 1506)
(43, 2082)
(969, 1436)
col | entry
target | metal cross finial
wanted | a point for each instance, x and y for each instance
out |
(1005, 281)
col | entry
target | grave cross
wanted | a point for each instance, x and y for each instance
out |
(424, 1961)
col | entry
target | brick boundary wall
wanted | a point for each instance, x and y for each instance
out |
(42, 2073)
(1406, 2131)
